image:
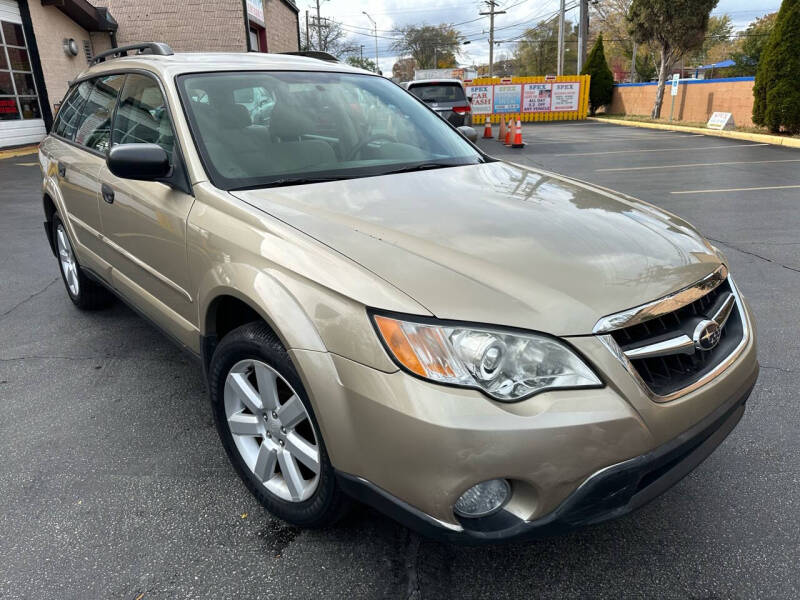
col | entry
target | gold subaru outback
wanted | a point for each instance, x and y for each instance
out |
(484, 351)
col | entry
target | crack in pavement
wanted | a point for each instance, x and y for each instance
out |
(94, 358)
(4, 314)
(412, 556)
(782, 369)
(769, 260)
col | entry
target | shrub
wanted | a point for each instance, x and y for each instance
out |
(776, 92)
(601, 85)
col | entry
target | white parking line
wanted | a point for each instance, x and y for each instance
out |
(550, 140)
(661, 150)
(752, 189)
(692, 165)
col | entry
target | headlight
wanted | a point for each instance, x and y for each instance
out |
(506, 366)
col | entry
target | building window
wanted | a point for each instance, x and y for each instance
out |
(18, 97)
(258, 38)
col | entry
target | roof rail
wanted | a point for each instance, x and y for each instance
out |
(155, 48)
(314, 54)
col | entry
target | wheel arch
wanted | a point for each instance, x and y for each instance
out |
(227, 308)
(49, 206)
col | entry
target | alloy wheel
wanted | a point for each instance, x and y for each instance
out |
(272, 430)
(66, 257)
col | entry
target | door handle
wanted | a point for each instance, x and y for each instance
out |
(108, 193)
(62, 169)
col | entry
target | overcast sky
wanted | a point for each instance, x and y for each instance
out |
(520, 15)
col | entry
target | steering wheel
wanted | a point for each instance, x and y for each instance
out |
(361, 145)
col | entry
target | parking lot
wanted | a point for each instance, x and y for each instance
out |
(113, 483)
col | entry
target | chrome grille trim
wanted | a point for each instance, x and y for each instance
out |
(682, 344)
(610, 343)
(662, 306)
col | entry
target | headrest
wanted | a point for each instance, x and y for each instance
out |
(233, 116)
(287, 123)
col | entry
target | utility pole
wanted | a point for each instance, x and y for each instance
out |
(583, 34)
(375, 27)
(560, 68)
(634, 75)
(319, 30)
(308, 43)
(362, 54)
(492, 12)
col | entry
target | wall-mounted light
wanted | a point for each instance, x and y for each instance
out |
(70, 47)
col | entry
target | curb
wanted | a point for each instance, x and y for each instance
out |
(21, 151)
(736, 135)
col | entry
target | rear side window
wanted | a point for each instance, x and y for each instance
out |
(70, 111)
(438, 92)
(142, 115)
(94, 129)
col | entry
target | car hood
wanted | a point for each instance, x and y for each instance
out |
(500, 243)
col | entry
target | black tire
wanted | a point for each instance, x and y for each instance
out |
(256, 341)
(90, 295)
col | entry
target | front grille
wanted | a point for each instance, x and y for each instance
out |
(665, 375)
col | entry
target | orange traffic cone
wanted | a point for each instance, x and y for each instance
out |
(508, 133)
(518, 143)
(501, 135)
(487, 131)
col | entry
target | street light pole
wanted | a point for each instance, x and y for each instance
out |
(375, 27)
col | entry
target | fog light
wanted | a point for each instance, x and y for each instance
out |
(483, 499)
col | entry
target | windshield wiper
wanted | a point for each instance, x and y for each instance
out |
(420, 167)
(288, 181)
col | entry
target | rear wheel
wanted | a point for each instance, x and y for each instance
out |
(84, 293)
(268, 428)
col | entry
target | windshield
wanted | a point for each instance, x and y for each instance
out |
(256, 129)
(438, 92)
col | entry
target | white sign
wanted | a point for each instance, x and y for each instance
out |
(507, 98)
(482, 98)
(721, 120)
(536, 97)
(566, 96)
(675, 82)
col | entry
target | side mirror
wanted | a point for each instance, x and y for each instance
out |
(469, 133)
(145, 162)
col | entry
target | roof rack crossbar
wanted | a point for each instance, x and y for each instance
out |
(155, 48)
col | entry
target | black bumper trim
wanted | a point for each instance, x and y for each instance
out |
(608, 494)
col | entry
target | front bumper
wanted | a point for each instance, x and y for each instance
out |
(608, 494)
(411, 448)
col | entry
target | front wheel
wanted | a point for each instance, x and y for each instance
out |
(268, 428)
(84, 293)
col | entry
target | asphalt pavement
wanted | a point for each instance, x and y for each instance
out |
(113, 483)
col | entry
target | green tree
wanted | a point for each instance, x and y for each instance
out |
(676, 27)
(432, 46)
(611, 18)
(361, 63)
(601, 85)
(776, 90)
(717, 42)
(537, 52)
(751, 45)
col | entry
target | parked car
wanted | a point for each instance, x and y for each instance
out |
(445, 96)
(482, 350)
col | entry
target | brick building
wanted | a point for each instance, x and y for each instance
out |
(45, 43)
